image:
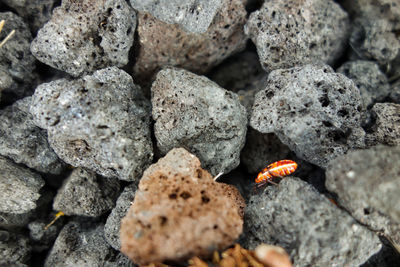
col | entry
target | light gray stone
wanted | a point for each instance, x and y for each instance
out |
(15, 249)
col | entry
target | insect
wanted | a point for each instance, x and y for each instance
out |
(278, 169)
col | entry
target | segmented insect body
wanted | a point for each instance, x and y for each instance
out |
(277, 169)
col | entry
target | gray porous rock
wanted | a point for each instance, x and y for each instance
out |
(194, 16)
(23, 142)
(84, 36)
(100, 122)
(192, 112)
(307, 225)
(113, 224)
(84, 193)
(367, 76)
(313, 110)
(17, 64)
(386, 128)
(120, 260)
(79, 245)
(394, 95)
(15, 249)
(367, 183)
(291, 33)
(163, 44)
(19, 189)
(42, 238)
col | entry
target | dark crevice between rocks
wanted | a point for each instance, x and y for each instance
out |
(387, 256)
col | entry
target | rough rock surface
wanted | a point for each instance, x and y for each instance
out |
(84, 36)
(23, 142)
(163, 44)
(100, 122)
(79, 245)
(113, 224)
(367, 76)
(179, 211)
(19, 189)
(394, 95)
(313, 110)
(42, 238)
(367, 183)
(193, 112)
(14, 249)
(308, 226)
(291, 33)
(86, 194)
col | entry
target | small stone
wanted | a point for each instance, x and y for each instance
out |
(386, 129)
(85, 194)
(42, 238)
(313, 110)
(307, 225)
(84, 36)
(291, 33)
(367, 183)
(100, 122)
(193, 112)
(113, 224)
(179, 212)
(15, 249)
(23, 142)
(394, 95)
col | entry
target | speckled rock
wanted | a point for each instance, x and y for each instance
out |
(313, 110)
(193, 112)
(86, 194)
(307, 225)
(100, 122)
(23, 142)
(367, 183)
(291, 33)
(42, 238)
(14, 249)
(367, 76)
(84, 36)
(394, 95)
(386, 129)
(19, 189)
(113, 224)
(17, 64)
(79, 245)
(163, 44)
(179, 211)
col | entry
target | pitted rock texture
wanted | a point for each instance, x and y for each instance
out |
(23, 142)
(307, 225)
(84, 36)
(17, 64)
(79, 245)
(367, 76)
(367, 183)
(193, 16)
(179, 211)
(15, 249)
(163, 44)
(19, 189)
(313, 110)
(192, 112)
(100, 122)
(113, 224)
(291, 33)
(386, 129)
(85, 194)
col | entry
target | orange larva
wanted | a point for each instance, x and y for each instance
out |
(277, 169)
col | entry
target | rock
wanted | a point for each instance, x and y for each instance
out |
(43, 238)
(79, 245)
(17, 64)
(367, 183)
(119, 260)
(394, 95)
(179, 211)
(313, 110)
(100, 122)
(14, 249)
(386, 129)
(84, 36)
(113, 224)
(163, 44)
(367, 76)
(23, 142)
(193, 112)
(291, 33)
(19, 189)
(308, 226)
(85, 194)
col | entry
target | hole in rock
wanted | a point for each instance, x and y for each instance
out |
(185, 195)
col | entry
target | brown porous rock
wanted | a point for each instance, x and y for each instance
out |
(179, 212)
